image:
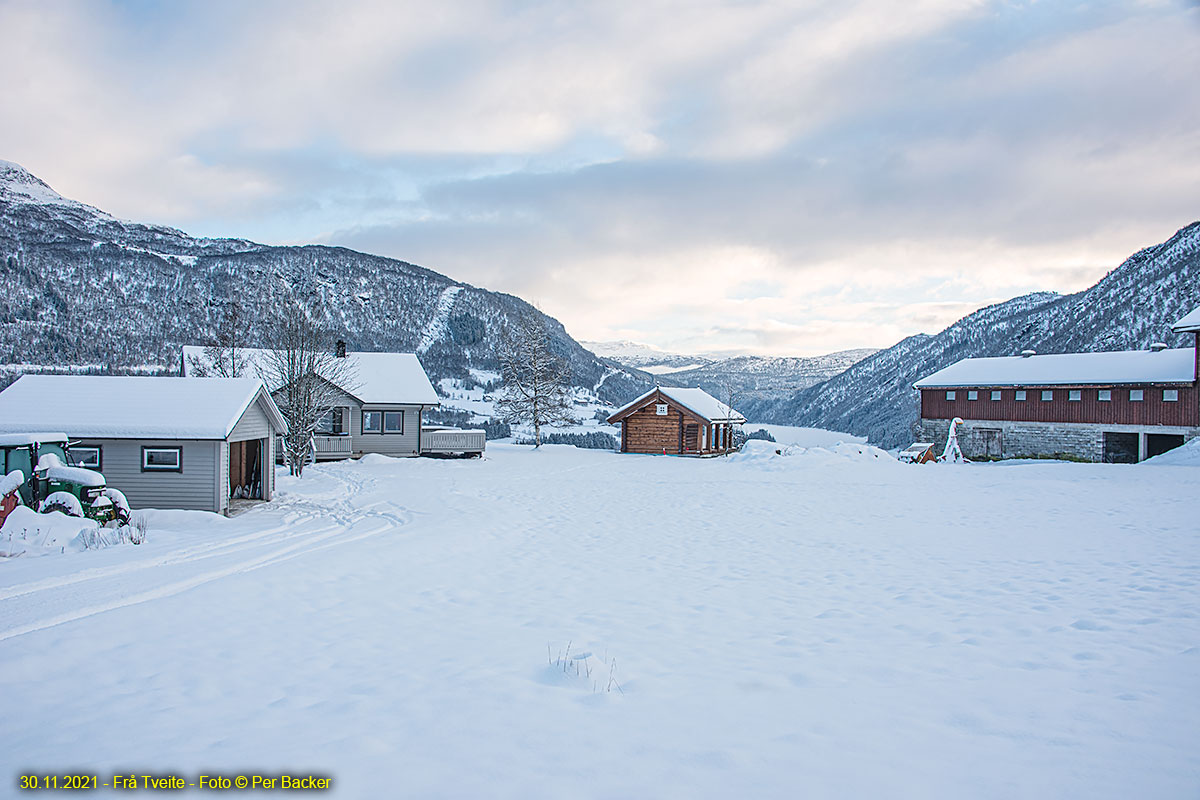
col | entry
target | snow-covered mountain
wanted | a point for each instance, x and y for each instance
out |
(1131, 307)
(645, 357)
(748, 376)
(84, 288)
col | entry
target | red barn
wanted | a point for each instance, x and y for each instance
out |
(676, 421)
(1116, 407)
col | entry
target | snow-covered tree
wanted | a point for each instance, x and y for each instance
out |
(536, 388)
(311, 375)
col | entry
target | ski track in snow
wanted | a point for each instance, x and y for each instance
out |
(436, 328)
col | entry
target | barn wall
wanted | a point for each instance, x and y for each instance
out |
(1118, 411)
(1036, 439)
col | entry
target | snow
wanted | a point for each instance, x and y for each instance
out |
(11, 482)
(1189, 322)
(380, 378)
(436, 329)
(1126, 366)
(803, 437)
(1186, 455)
(102, 406)
(696, 400)
(664, 369)
(35, 437)
(828, 624)
(56, 470)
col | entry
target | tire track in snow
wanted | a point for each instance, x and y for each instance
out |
(437, 324)
(343, 518)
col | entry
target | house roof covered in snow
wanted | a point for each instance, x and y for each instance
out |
(698, 401)
(1190, 322)
(379, 378)
(1068, 369)
(129, 407)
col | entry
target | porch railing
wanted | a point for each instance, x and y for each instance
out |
(447, 441)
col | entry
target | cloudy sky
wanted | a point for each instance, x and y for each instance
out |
(780, 178)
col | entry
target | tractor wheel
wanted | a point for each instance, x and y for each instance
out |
(55, 504)
(120, 504)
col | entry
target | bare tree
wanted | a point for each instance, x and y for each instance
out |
(728, 394)
(223, 355)
(308, 376)
(536, 381)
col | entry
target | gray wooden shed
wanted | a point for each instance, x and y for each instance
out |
(190, 443)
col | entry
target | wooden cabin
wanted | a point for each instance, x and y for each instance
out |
(672, 421)
(1122, 406)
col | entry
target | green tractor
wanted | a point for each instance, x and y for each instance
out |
(51, 482)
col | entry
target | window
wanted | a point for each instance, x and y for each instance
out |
(972, 395)
(88, 457)
(372, 422)
(1104, 395)
(1135, 395)
(949, 395)
(393, 422)
(1020, 394)
(162, 459)
(995, 394)
(1170, 395)
(333, 423)
(1047, 395)
(1074, 395)
(660, 409)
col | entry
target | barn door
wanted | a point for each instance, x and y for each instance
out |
(990, 438)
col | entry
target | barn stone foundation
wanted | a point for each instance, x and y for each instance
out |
(983, 439)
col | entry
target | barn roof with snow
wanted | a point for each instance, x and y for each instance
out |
(132, 407)
(379, 378)
(1189, 324)
(698, 401)
(1069, 369)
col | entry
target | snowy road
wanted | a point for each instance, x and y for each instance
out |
(821, 625)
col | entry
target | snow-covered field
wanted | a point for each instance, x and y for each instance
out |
(825, 624)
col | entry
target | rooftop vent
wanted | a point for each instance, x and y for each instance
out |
(1028, 353)
(1157, 346)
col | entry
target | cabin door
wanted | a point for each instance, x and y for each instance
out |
(691, 437)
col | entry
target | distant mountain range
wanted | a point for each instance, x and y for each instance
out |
(1130, 308)
(750, 377)
(84, 289)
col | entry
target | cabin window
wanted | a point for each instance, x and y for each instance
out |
(393, 422)
(1135, 395)
(995, 394)
(972, 395)
(1020, 394)
(1104, 395)
(372, 422)
(949, 395)
(660, 409)
(333, 423)
(1170, 395)
(1074, 395)
(1047, 395)
(88, 457)
(162, 459)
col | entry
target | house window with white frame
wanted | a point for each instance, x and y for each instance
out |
(1170, 395)
(972, 395)
(1135, 395)
(1020, 395)
(1074, 395)
(87, 457)
(950, 395)
(1104, 395)
(372, 421)
(393, 422)
(995, 394)
(162, 459)
(1047, 395)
